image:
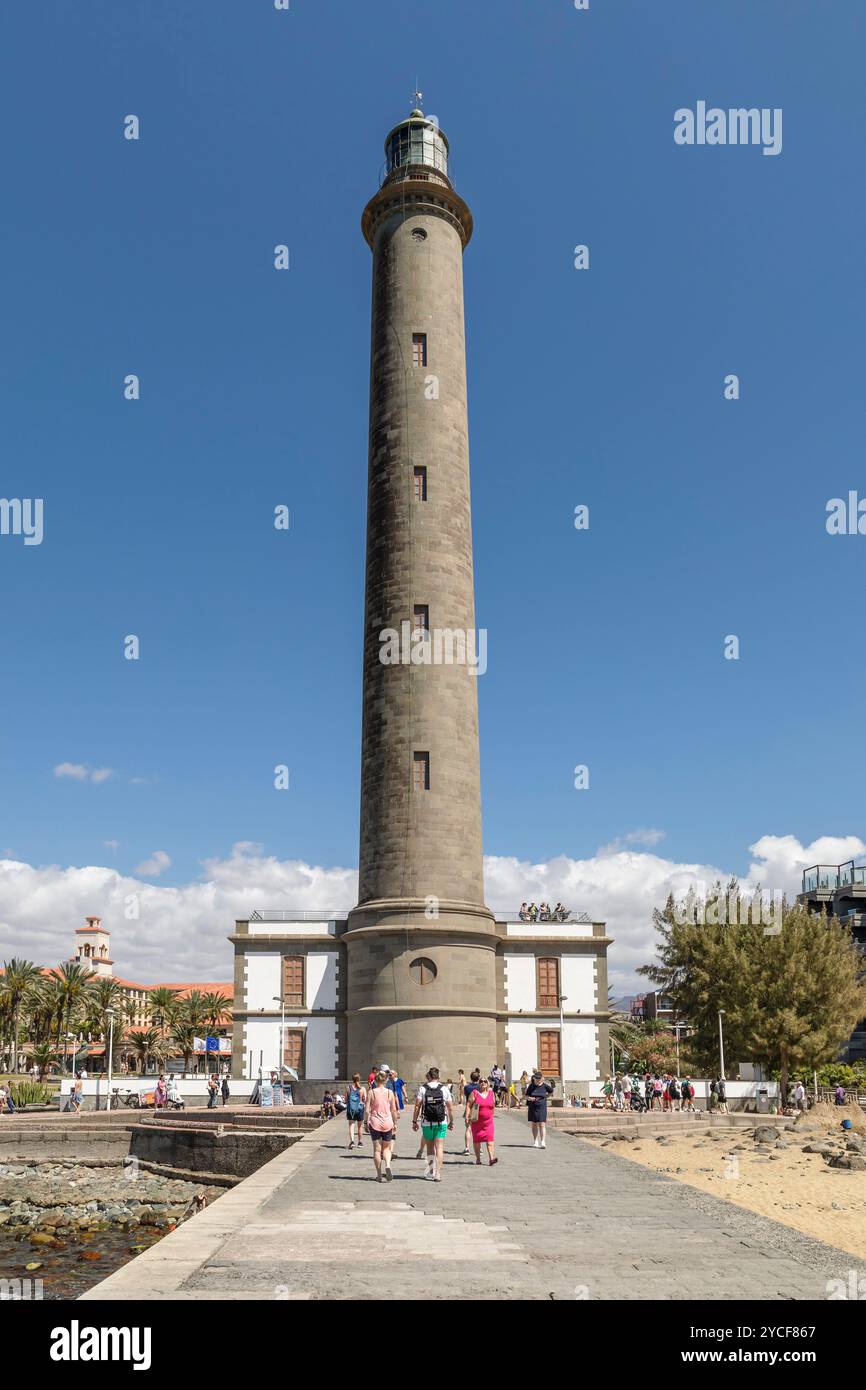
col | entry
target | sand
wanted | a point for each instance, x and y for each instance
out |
(800, 1190)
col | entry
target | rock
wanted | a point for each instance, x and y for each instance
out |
(823, 1149)
(764, 1134)
(850, 1163)
(855, 1146)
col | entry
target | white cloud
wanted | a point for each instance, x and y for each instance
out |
(80, 772)
(111, 844)
(181, 931)
(153, 867)
(648, 838)
(76, 770)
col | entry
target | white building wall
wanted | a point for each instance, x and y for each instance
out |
(577, 982)
(564, 931)
(263, 980)
(262, 1045)
(320, 1045)
(579, 1048)
(520, 984)
(321, 980)
(292, 928)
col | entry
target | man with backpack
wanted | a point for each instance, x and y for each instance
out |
(433, 1105)
(688, 1094)
(674, 1094)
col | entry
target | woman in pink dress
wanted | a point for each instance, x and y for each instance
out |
(483, 1100)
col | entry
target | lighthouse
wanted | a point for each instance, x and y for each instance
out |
(421, 985)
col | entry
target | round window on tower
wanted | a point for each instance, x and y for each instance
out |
(419, 234)
(423, 971)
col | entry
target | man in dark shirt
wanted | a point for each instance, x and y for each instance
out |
(537, 1093)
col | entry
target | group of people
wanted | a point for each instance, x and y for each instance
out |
(652, 1091)
(375, 1110)
(543, 913)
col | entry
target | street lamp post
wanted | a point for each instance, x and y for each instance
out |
(721, 1047)
(110, 1013)
(562, 999)
(281, 1000)
(677, 1027)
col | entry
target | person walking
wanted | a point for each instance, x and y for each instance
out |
(841, 1097)
(657, 1089)
(607, 1092)
(722, 1095)
(674, 1093)
(480, 1105)
(381, 1116)
(224, 1088)
(434, 1106)
(465, 1098)
(212, 1091)
(160, 1095)
(537, 1093)
(688, 1093)
(356, 1101)
(172, 1093)
(75, 1097)
(524, 1082)
(800, 1096)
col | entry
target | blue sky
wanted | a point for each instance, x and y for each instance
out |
(602, 387)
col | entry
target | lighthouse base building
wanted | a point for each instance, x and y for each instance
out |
(292, 997)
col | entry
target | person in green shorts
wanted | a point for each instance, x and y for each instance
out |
(433, 1105)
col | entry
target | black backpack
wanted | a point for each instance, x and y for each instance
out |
(434, 1104)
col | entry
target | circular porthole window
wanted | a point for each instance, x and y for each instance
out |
(423, 971)
(419, 234)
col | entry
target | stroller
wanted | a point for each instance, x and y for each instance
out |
(637, 1102)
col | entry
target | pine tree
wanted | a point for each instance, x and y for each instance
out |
(791, 997)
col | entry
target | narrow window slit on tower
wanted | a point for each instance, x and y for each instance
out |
(421, 613)
(421, 772)
(419, 349)
(419, 484)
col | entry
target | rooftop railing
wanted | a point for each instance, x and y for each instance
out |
(826, 878)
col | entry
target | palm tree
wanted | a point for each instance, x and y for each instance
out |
(19, 977)
(145, 1044)
(73, 982)
(183, 1035)
(44, 1055)
(216, 1010)
(161, 1003)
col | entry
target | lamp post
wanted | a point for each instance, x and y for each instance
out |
(110, 1013)
(562, 999)
(721, 1046)
(677, 1027)
(281, 1000)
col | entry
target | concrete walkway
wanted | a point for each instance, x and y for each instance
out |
(567, 1222)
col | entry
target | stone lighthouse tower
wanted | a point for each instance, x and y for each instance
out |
(421, 944)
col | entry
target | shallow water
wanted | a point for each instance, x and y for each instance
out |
(70, 1267)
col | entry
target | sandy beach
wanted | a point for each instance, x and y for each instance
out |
(799, 1189)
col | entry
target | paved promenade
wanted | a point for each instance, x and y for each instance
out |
(567, 1222)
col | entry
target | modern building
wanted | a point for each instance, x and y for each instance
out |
(420, 973)
(839, 890)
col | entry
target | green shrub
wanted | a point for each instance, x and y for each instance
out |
(26, 1093)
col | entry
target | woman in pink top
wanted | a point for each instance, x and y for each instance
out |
(482, 1127)
(381, 1111)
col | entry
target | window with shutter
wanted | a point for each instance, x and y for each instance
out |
(548, 1053)
(293, 982)
(548, 983)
